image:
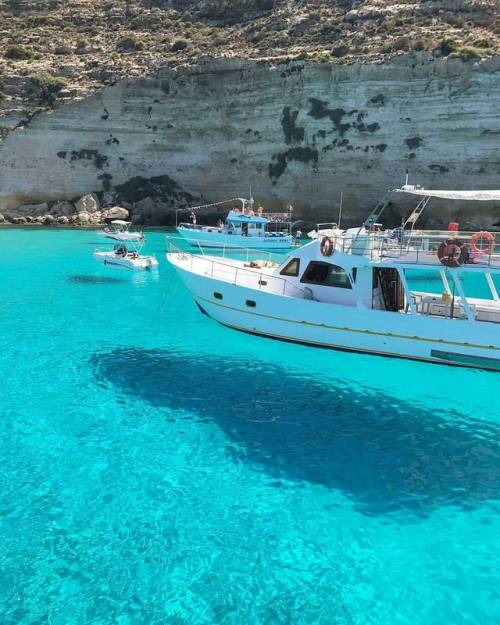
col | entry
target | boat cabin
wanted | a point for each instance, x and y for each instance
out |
(363, 276)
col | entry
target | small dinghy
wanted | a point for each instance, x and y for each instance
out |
(119, 231)
(120, 256)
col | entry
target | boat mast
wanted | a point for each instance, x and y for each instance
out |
(340, 208)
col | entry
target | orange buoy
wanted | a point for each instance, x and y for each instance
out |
(482, 236)
(327, 246)
(452, 253)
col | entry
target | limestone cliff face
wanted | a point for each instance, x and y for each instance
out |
(295, 132)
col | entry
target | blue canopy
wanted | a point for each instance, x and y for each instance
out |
(239, 218)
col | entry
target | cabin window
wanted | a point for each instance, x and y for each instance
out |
(326, 275)
(217, 295)
(250, 303)
(292, 268)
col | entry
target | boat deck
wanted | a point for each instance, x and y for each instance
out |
(252, 274)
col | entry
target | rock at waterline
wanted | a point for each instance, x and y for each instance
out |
(62, 209)
(116, 212)
(87, 204)
(82, 218)
(2, 218)
(32, 210)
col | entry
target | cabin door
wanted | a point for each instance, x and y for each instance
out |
(244, 229)
(389, 282)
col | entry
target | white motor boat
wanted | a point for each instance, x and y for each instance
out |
(119, 231)
(352, 291)
(120, 256)
(244, 228)
(329, 229)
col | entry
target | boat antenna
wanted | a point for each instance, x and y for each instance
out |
(340, 207)
(407, 176)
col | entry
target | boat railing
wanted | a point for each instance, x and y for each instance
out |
(241, 274)
(226, 251)
(277, 217)
(421, 247)
(327, 225)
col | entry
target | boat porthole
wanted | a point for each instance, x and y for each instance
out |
(217, 295)
(263, 282)
(250, 303)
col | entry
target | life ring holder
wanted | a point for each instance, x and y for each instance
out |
(482, 235)
(452, 253)
(327, 246)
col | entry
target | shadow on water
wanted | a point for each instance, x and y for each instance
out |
(385, 454)
(82, 279)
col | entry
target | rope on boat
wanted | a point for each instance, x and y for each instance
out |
(193, 208)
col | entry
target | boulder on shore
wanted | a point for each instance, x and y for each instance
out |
(150, 212)
(19, 220)
(87, 204)
(49, 220)
(95, 218)
(81, 219)
(62, 220)
(2, 219)
(116, 212)
(62, 208)
(32, 210)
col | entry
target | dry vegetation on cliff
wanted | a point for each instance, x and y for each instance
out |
(62, 49)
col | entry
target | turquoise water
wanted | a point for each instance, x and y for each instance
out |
(157, 468)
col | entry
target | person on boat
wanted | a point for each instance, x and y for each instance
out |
(298, 236)
(193, 219)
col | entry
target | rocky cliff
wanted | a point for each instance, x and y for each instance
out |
(295, 131)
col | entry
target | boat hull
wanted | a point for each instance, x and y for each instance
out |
(220, 240)
(124, 236)
(437, 340)
(132, 264)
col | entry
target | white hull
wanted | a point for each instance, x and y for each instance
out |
(126, 262)
(387, 333)
(215, 239)
(123, 236)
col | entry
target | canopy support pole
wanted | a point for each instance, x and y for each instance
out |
(446, 284)
(463, 298)
(492, 286)
(406, 288)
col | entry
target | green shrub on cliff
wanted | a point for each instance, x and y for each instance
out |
(448, 46)
(178, 45)
(483, 43)
(44, 87)
(18, 53)
(129, 44)
(467, 53)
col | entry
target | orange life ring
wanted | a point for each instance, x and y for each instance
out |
(327, 246)
(482, 235)
(452, 253)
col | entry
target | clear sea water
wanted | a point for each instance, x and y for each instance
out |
(159, 469)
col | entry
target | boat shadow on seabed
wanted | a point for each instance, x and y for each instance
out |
(387, 455)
